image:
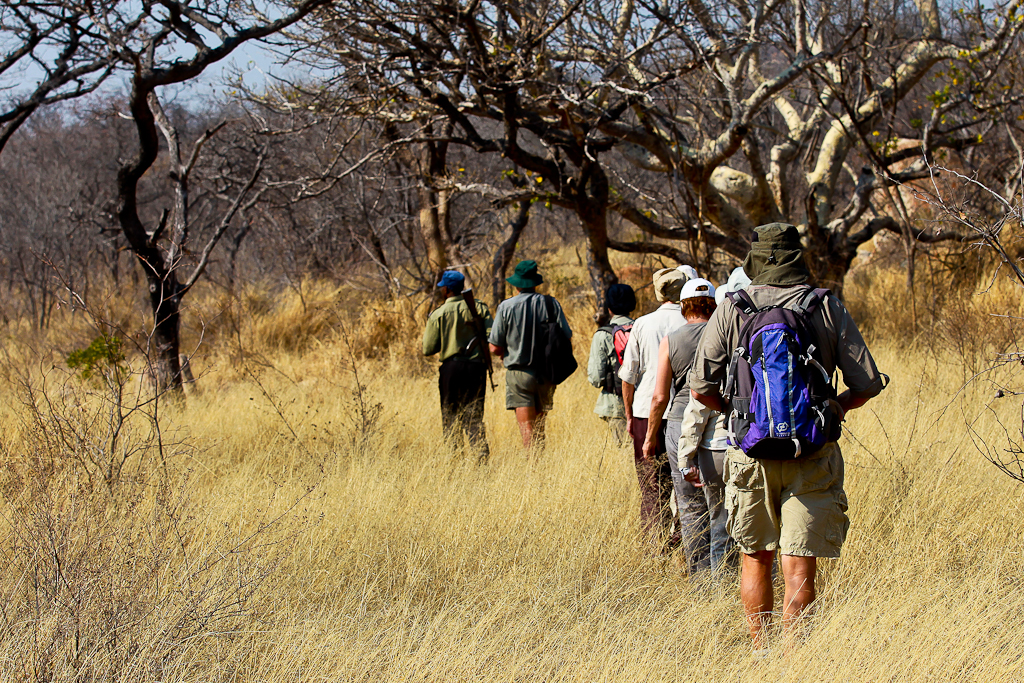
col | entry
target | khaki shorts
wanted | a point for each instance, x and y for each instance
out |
(525, 390)
(795, 506)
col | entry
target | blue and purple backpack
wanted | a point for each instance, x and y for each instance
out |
(779, 393)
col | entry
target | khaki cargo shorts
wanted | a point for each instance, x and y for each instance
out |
(795, 506)
(525, 390)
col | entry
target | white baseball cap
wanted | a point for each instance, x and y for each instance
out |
(689, 271)
(697, 287)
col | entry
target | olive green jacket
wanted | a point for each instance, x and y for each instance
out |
(450, 330)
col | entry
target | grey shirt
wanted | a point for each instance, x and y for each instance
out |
(682, 347)
(516, 322)
(841, 343)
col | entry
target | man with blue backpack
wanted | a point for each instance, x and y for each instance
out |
(766, 361)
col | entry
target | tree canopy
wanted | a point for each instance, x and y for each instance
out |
(423, 134)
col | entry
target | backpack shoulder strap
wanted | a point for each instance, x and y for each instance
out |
(812, 300)
(549, 306)
(743, 303)
(607, 329)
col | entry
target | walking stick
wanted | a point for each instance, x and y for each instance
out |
(480, 329)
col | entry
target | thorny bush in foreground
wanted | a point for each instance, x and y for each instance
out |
(969, 205)
(115, 572)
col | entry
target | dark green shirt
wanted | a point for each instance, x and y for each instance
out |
(450, 330)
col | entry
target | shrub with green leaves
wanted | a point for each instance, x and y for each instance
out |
(104, 352)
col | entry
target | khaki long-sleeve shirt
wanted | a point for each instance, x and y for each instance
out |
(838, 339)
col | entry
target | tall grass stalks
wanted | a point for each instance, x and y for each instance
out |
(317, 528)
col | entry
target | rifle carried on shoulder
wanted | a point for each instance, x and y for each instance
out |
(480, 329)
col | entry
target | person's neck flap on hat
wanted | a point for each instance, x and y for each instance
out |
(737, 281)
(668, 282)
(689, 271)
(776, 257)
(525, 276)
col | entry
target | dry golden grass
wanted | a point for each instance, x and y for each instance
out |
(307, 531)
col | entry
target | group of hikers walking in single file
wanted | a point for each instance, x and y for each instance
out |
(727, 396)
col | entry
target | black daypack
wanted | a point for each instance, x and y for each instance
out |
(780, 396)
(556, 360)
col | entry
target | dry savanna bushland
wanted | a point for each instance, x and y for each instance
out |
(299, 517)
(222, 223)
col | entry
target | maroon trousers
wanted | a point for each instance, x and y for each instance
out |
(655, 479)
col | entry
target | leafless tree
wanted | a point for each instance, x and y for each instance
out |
(157, 44)
(55, 52)
(728, 115)
(210, 31)
(995, 232)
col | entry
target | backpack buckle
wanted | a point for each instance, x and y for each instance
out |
(809, 360)
(730, 379)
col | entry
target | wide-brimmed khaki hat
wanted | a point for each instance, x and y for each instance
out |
(668, 282)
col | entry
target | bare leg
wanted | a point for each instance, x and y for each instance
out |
(531, 426)
(799, 573)
(756, 593)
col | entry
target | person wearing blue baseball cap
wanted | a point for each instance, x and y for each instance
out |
(459, 334)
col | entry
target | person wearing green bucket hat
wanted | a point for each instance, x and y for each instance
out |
(525, 276)
(779, 498)
(515, 337)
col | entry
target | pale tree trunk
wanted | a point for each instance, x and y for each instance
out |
(429, 161)
(430, 230)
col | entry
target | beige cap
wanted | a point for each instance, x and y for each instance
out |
(668, 282)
